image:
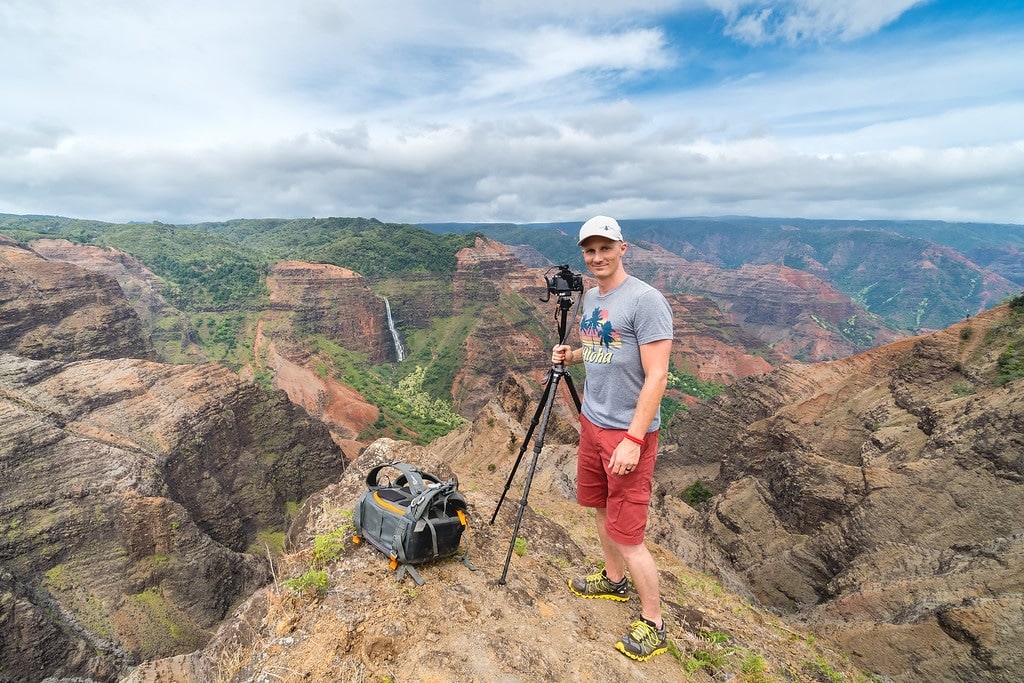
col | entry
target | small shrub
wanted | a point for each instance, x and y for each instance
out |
(313, 584)
(966, 333)
(715, 637)
(328, 547)
(962, 389)
(696, 494)
(520, 546)
(753, 664)
(700, 659)
(1010, 364)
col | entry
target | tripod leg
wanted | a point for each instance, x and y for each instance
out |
(526, 442)
(556, 374)
(572, 392)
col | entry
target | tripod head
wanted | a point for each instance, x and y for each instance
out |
(562, 284)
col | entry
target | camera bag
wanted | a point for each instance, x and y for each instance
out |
(414, 519)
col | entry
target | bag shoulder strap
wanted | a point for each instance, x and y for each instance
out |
(419, 505)
(410, 475)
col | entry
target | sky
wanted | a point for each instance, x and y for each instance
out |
(518, 111)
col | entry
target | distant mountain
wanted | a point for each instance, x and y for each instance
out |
(773, 289)
(916, 275)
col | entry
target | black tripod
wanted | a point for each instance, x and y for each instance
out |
(541, 415)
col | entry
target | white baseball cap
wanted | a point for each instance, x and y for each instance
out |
(600, 226)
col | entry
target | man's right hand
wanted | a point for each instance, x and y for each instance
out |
(561, 353)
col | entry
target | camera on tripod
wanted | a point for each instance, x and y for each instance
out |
(563, 282)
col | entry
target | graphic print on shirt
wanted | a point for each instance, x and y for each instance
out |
(599, 337)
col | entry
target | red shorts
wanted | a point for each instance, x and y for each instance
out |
(625, 497)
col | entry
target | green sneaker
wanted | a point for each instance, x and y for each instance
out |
(597, 585)
(643, 641)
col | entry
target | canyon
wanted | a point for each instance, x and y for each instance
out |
(863, 519)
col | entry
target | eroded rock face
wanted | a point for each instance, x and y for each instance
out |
(173, 338)
(793, 312)
(131, 491)
(879, 498)
(58, 311)
(335, 302)
(309, 300)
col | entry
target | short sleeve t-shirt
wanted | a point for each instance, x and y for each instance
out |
(612, 329)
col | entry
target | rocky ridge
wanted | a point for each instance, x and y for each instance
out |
(793, 312)
(309, 302)
(52, 310)
(876, 499)
(172, 336)
(133, 490)
(132, 493)
(463, 624)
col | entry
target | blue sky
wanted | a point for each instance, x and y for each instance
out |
(505, 111)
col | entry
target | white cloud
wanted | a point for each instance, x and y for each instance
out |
(793, 21)
(521, 112)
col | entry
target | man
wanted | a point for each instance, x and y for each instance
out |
(626, 335)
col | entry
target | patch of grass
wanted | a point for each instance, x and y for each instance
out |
(689, 384)
(58, 578)
(704, 583)
(1010, 363)
(962, 388)
(822, 670)
(753, 666)
(701, 659)
(265, 538)
(313, 584)
(328, 547)
(696, 494)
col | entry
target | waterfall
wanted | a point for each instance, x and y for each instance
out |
(399, 349)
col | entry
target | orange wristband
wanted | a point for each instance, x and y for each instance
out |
(638, 442)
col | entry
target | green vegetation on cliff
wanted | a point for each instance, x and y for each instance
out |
(407, 408)
(216, 274)
(1010, 363)
(367, 246)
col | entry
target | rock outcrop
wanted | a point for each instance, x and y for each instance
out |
(138, 498)
(793, 312)
(333, 302)
(310, 302)
(173, 338)
(53, 310)
(482, 623)
(131, 491)
(878, 498)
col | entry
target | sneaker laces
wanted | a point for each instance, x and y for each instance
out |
(646, 635)
(600, 580)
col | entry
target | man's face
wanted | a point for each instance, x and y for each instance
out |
(602, 255)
